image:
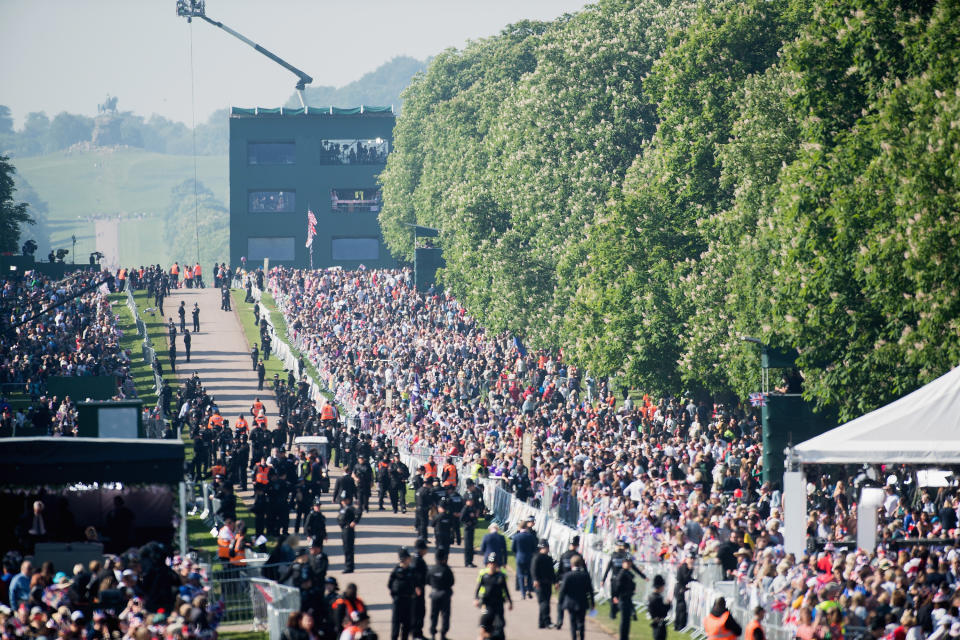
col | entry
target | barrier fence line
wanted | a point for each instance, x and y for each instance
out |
(154, 428)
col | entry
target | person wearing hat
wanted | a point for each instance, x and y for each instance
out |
(418, 566)
(441, 581)
(564, 564)
(468, 518)
(684, 578)
(315, 524)
(524, 548)
(347, 518)
(576, 594)
(402, 590)
(657, 608)
(443, 524)
(622, 588)
(363, 474)
(543, 578)
(399, 473)
(492, 592)
(616, 565)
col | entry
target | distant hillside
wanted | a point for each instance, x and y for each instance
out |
(81, 186)
(381, 87)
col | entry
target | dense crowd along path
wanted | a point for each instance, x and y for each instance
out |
(220, 355)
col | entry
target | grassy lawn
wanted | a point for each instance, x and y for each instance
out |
(252, 332)
(242, 635)
(639, 628)
(131, 341)
(132, 182)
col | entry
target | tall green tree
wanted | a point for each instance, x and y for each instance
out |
(13, 215)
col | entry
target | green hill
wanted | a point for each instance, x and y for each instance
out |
(80, 186)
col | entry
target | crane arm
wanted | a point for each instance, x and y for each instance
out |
(195, 9)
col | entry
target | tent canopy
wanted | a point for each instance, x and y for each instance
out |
(920, 428)
(62, 461)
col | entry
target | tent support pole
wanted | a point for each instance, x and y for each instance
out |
(183, 518)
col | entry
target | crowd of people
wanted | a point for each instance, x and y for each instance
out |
(142, 594)
(353, 152)
(76, 338)
(673, 478)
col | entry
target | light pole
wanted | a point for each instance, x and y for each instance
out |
(73, 259)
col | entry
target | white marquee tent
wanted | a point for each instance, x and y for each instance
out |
(922, 427)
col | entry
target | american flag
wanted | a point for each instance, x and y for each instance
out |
(311, 227)
(758, 399)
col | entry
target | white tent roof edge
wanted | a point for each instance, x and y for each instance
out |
(922, 427)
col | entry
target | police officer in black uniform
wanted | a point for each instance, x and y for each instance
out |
(363, 474)
(424, 500)
(398, 483)
(576, 596)
(419, 568)
(616, 566)
(315, 524)
(491, 593)
(443, 525)
(622, 588)
(347, 519)
(468, 518)
(455, 505)
(402, 590)
(543, 578)
(345, 485)
(658, 609)
(441, 582)
(562, 570)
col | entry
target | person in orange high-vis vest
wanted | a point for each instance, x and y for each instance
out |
(241, 425)
(449, 477)
(257, 408)
(238, 551)
(218, 469)
(198, 275)
(175, 274)
(719, 624)
(216, 420)
(359, 622)
(260, 420)
(430, 468)
(261, 473)
(188, 277)
(754, 630)
(328, 413)
(225, 540)
(346, 605)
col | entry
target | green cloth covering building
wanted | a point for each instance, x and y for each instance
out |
(325, 159)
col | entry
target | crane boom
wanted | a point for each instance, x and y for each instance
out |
(191, 9)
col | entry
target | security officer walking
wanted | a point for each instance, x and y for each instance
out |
(347, 519)
(576, 596)
(424, 500)
(402, 591)
(658, 610)
(364, 477)
(443, 525)
(564, 567)
(468, 518)
(543, 578)
(491, 593)
(622, 588)
(616, 566)
(315, 524)
(440, 578)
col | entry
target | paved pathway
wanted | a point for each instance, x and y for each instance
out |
(220, 356)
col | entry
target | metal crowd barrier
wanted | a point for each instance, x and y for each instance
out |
(149, 354)
(272, 604)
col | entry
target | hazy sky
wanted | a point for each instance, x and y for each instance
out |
(66, 55)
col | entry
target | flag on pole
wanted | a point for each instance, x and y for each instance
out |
(311, 227)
